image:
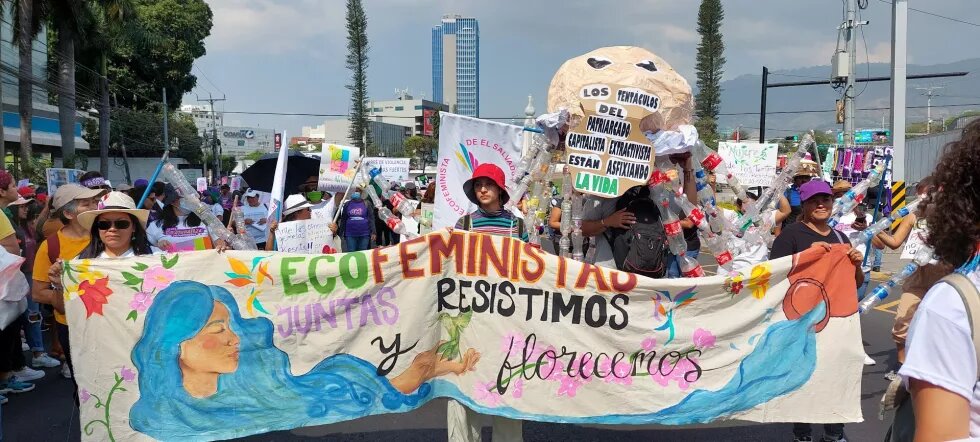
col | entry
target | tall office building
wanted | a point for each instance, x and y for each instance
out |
(456, 64)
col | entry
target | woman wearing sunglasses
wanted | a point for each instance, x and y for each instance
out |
(118, 228)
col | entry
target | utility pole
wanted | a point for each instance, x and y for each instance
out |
(927, 91)
(215, 148)
(850, 33)
(900, 21)
(166, 129)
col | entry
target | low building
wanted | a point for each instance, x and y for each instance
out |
(386, 139)
(413, 114)
(204, 118)
(240, 141)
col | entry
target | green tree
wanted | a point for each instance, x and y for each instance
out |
(67, 19)
(709, 65)
(357, 62)
(141, 132)
(254, 155)
(436, 120)
(27, 24)
(140, 68)
(419, 148)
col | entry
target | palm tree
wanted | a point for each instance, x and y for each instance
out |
(27, 24)
(3, 145)
(67, 16)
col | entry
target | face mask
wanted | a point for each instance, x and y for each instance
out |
(183, 207)
(314, 197)
(355, 196)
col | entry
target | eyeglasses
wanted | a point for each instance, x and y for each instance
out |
(119, 224)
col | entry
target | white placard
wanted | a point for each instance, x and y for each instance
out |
(307, 236)
(202, 184)
(337, 167)
(754, 164)
(917, 238)
(394, 169)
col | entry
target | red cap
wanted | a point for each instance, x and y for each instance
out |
(42, 197)
(487, 170)
(25, 192)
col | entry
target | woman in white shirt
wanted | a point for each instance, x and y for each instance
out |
(941, 362)
(180, 230)
(118, 228)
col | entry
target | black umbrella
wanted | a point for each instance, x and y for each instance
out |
(260, 175)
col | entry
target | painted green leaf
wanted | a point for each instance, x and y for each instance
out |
(132, 315)
(139, 267)
(132, 279)
(169, 263)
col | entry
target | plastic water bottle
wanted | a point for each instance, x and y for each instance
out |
(673, 229)
(854, 196)
(922, 257)
(690, 267)
(884, 223)
(719, 248)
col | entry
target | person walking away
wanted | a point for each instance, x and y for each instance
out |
(487, 190)
(356, 224)
(25, 215)
(812, 230)
(69, 201)
(255, 214)
(941, 365)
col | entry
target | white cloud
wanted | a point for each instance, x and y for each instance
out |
(274, 26)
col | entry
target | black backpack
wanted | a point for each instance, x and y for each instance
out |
(641, 249)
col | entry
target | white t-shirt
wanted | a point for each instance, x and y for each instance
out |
(257, 231)
(324, 209)
(745, 255)
(217, 210)
(181, 237)
(130, 253)
(940, 350)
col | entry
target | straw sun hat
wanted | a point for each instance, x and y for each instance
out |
(114, 202)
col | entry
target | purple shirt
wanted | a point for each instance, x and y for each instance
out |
(358, 224)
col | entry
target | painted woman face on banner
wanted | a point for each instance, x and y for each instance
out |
(615, 95)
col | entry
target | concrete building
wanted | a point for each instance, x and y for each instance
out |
(413, 114)
(387, 139)
(204, 119)
(456, 64)
(240, 141)
(45, 128)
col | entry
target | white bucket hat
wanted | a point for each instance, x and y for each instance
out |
(295, 203)
(114, 202)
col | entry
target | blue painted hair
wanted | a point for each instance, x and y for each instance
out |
(261, 395)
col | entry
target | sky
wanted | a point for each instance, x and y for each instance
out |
(289, 55)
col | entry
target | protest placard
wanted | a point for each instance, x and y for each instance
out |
(202, 184)
(754, 164)
(394, 169)
(206, 346)
(59, 177)
(464, 144)
(307, 236)
(917, 239)
(337, 167)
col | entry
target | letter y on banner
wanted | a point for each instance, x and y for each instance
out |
(464, 144)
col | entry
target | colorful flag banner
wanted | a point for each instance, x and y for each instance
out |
(204, 346)
(464, 144)
(338, 164)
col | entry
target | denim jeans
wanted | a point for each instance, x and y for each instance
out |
(31, 319)
(357, 243)
(674, 264)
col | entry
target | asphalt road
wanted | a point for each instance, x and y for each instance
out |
(48, 413)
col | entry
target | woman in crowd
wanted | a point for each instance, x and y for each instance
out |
(940, 366)
(356, 226)
(296, 208)
(25, 214)
(812, 230)
(117, 229)
(180, 229)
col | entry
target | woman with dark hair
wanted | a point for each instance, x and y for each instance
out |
(940, 366)
(179, 229)
(25, 212)
(117, 227)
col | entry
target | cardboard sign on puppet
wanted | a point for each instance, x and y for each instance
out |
(615, 96)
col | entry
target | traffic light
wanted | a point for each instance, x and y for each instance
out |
(793, 138)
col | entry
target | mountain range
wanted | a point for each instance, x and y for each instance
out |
(740, 98)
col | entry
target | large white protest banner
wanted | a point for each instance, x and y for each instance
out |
(204, 346)
(464, 144)
(754, 164)
(307, 236)
(337, 167)
(394, 169)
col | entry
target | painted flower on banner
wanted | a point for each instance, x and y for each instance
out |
(734, 285)
(486, 394)
(256, 274)
(94, 295)
(146, 281)
(703, 339)
(517, 389)
(666, 305)
(621, 374)
(759, 280)
(568, 385)
(512, 343)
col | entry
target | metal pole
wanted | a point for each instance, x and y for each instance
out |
(850, 24)
(762, 106)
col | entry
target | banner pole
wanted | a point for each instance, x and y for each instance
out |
(357, 170)
(153, 178)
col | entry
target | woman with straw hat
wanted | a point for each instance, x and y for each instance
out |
(118, 228)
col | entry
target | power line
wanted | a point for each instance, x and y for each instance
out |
(937, 15)
(201, 71)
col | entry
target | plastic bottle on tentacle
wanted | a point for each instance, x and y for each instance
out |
(190, 201)
(854, 196)
(884, 223)
(922, 257)
(404, 205)
(736, 186)
(393, 222)
(690, 267)
(577, 237)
